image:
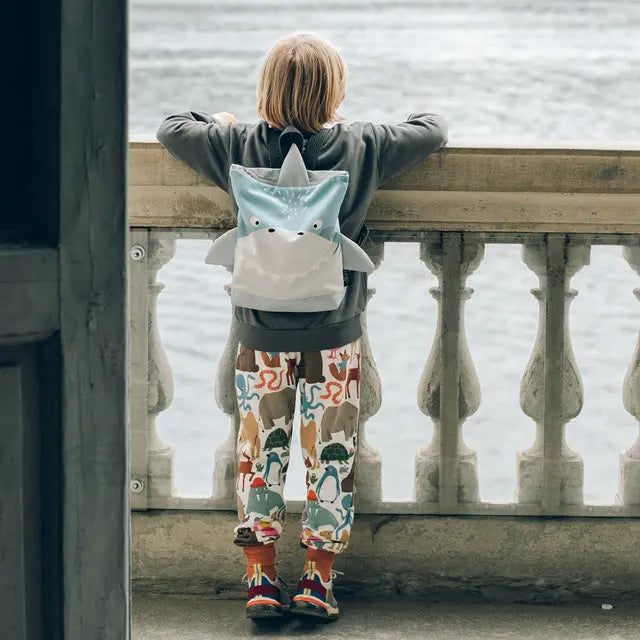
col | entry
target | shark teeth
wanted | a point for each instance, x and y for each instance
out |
(250, 258)
(249, 263)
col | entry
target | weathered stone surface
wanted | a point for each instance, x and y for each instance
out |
(459, 189)
(162, 247)
(226, 459)
(490, 558)
(629, 479)
(428, 460)
(552, 378)
(368, 465)
(462, 169)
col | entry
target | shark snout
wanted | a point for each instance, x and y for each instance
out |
(272, 230)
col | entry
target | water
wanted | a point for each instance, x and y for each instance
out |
(499, 70)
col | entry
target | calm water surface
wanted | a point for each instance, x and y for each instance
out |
(500, 71)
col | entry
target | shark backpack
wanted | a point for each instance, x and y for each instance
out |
(287, 252)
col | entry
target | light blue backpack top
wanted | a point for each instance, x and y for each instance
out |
(287, 251)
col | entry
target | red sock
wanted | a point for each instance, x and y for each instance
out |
(264, 554)
(324, 561)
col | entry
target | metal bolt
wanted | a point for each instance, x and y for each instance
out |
(136, 485)
(137, 252)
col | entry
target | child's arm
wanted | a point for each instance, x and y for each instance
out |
(401, 146)
(206, 143)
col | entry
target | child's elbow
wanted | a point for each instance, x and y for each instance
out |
(164, 132)
(441, 131)
(435, 128)
(172, 130)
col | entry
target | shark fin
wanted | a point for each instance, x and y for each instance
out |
(223, 249)
(353, 257)
(293, 173)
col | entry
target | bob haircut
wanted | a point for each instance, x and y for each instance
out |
(302, 82)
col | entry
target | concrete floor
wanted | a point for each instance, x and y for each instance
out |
(193, 618)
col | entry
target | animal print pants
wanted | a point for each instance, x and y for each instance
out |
(329, 386)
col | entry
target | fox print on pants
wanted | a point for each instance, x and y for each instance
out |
(329, 385)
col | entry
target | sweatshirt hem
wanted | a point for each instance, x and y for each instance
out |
(309, 339)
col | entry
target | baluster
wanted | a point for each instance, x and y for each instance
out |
(225, 466)
(449, 390)
(368, 468)
(629, 480)
(549, 472)
(162, 247)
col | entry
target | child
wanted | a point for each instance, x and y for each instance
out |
(300, 88)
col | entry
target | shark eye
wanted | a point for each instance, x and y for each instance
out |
(255, 222)
(317, 224)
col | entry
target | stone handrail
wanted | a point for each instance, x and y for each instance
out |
(555, 202)
(457, 189)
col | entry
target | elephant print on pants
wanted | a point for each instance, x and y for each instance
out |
(278, 404)
(343, 417)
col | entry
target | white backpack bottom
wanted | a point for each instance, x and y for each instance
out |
(328, 302)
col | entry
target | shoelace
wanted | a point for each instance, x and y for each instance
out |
(334, 574)
(245, 578)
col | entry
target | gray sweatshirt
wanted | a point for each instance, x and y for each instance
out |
(371, 153)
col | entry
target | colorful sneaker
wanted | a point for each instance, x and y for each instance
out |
(266, 598)
(314, 597)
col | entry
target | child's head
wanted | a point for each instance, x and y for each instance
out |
(302, 82)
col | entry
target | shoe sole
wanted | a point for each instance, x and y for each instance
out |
(265, 611)
(309, 610)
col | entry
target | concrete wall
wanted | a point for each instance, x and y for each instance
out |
(491, 559)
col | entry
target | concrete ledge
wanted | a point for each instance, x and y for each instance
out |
(560, 170)
(204, 207)
(492, 190)
(476, 558)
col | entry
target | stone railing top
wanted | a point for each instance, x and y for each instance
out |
(473, 188)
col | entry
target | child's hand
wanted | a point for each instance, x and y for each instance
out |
(225, 118)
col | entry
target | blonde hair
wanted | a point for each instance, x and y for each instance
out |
(302, 82)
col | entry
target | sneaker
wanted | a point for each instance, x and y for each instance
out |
(314, 597)
(266, 598)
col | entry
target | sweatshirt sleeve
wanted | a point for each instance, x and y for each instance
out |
(403, 145)
(200, 141)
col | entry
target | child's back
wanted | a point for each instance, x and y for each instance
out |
(372, 154)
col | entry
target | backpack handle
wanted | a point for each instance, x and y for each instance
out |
(292, 135)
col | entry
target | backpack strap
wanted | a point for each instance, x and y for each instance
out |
(314, 145)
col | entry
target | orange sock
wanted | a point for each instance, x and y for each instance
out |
(264, 554)
(324, 561)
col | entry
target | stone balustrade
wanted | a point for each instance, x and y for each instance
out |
(555, 203)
